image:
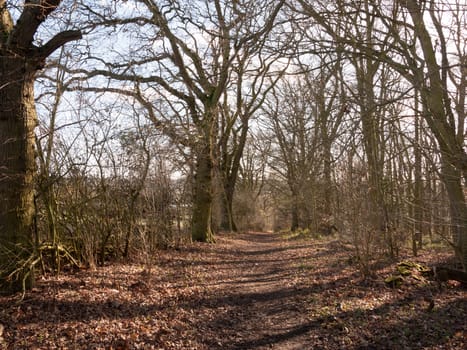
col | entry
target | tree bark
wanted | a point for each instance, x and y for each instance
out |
(366, 70)
(230, 163)
(203, 197)
(227, 219)
(452, 180)
(327, 176)
(418, 186)
(17, 167)
(295, 225)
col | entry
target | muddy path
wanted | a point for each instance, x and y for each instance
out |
(247, 291)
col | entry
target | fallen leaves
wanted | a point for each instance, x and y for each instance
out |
(249, 291)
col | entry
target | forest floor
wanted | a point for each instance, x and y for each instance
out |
(247, 291)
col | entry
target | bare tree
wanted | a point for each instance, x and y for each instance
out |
(250, 206)
(421, 56)
(255, 74)
(192, 61)
(304, 117)
(291, 119)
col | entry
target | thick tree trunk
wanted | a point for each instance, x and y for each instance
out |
(19, 61)
(203, 197)
(17, 167)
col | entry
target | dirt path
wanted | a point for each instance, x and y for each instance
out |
(262, 292)
(248, 291)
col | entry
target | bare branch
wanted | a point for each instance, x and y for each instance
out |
(35, 12)
(59, 40)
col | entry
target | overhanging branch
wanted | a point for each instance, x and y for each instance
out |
(58, 41)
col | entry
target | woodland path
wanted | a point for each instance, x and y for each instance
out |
(264, 291)
(247, 291)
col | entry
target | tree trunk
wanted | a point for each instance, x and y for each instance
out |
(327, 175)
(17, 167)
(230, 167)
(418, 185)
(227, 219)
(203, 197)
(295, 225)
(452, 180)
(373, 147)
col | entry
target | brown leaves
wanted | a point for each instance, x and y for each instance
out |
(253, 291)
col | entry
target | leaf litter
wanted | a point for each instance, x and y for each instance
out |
(248, 291)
